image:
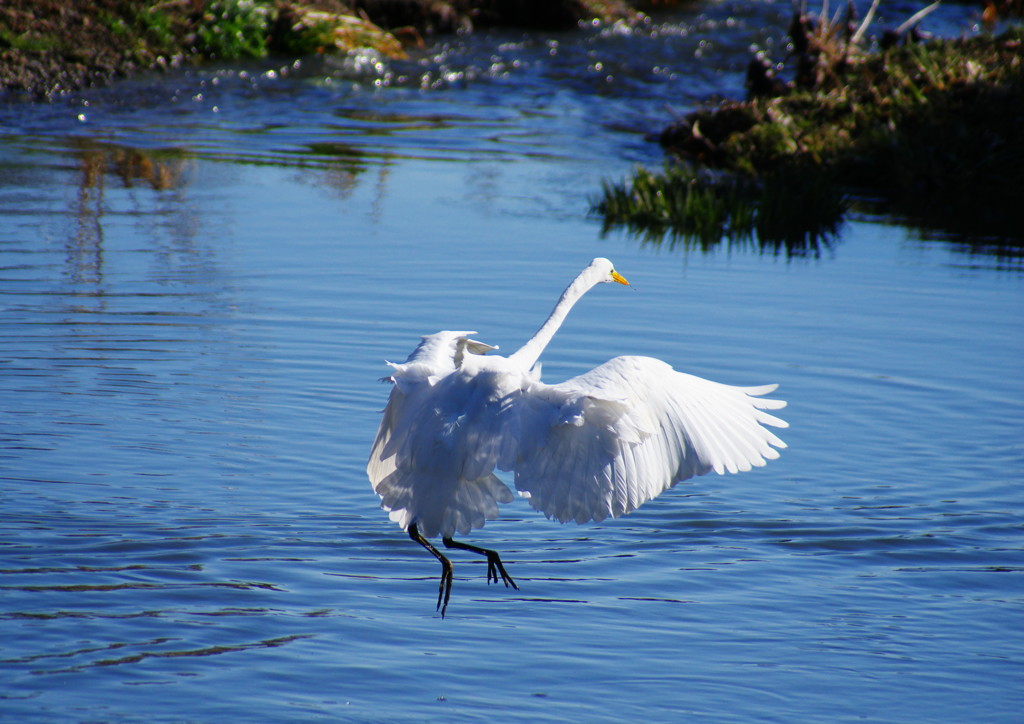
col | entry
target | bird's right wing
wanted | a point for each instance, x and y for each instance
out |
(605, 442)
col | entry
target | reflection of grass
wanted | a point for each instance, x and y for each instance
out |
(934, 130)
(160, 170)
(793, 209)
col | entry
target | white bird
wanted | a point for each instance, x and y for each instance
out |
(597, 445)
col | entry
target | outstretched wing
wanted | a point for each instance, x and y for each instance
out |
(605, 442)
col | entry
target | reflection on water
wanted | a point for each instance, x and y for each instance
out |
(160, 171)
(125, 653)
(195, 308)
(808, 246)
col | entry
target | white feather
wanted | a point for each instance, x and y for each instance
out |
(598, 445)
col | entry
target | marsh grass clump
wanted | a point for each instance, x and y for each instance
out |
(795, 212)
(304, 30)
(233, 29)
(236, 29)
(931, 132)
(702, 207)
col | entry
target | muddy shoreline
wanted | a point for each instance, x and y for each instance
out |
(51, 47)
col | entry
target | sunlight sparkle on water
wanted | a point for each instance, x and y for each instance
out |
(197, 308)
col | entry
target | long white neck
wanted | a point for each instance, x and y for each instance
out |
(529, 353)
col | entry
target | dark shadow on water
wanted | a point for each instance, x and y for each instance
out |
(135, 658)
(987, 240)
(797, 212)
(674, 240)
(790, 229)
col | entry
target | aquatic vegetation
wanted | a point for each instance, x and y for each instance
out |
(233, 29)
(792, 210)
(933, 130)
(158, 28)
(29, 42)
(50, 47)
(304, 30)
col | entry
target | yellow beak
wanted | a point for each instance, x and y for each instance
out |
(619, 278)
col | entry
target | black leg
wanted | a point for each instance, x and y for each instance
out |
(444, 592)
(494, 566)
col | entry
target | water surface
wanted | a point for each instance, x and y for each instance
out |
(200, 278)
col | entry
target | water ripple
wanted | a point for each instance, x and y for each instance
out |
(195, 306)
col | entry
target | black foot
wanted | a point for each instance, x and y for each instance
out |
(444, 590)
(495, 568)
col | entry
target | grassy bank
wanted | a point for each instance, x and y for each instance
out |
(48, 47)
(931, 132)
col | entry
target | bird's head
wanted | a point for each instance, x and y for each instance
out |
(606, 271)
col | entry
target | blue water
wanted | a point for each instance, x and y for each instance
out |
(197, 295)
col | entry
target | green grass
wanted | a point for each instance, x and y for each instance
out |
(934, 130)
(30, 42)
(795, 210)
(233, 29)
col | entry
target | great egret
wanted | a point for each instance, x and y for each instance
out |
(594, 446)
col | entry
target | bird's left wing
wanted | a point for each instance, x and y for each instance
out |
(430, 464)
(605, 442)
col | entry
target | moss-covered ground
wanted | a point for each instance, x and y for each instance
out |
(48, 47)
(930, 132)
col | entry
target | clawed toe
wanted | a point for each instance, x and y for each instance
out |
(495, 568)
(444, 590)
